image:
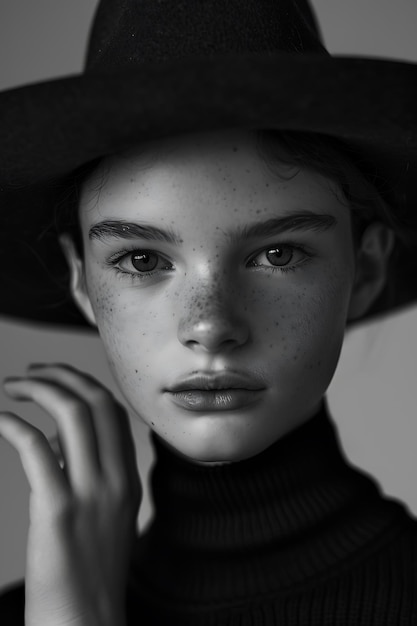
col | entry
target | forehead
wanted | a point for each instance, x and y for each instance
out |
(217, 174)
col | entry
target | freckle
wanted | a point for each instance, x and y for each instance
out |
(136, 371)
(234, 149)
(153, 423)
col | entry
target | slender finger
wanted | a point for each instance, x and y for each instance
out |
(116, 447)
(74, 424)
(41, 467)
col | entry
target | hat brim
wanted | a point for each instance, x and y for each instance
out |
(49, 129)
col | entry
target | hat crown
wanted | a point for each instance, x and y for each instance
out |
(128, 33)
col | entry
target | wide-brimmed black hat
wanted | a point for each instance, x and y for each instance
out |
(162, 67)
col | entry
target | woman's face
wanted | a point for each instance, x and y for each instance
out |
(201, 261)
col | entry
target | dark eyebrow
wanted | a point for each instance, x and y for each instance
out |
(317, 222)
(131, 230)
(275, 226)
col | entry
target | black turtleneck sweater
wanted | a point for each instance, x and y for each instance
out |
(294, 536)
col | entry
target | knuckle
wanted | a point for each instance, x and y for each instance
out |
(33, 439)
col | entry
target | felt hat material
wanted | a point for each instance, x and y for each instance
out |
(162, 67)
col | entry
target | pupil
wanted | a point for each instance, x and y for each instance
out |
(145, 262)
(279, 256)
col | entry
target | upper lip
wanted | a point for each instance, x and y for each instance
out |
(216, 380)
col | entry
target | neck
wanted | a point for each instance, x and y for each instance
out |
(279, 518)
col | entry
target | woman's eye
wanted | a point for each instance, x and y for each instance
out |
(283, 256)
(142, 262)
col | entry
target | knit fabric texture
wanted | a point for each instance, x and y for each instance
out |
(295, 536)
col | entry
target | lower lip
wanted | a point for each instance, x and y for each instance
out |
(215, 400)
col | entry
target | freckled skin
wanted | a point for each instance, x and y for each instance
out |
(212, 311)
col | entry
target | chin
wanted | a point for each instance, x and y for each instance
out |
(217, 448)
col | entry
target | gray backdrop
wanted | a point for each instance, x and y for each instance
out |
(372, 396)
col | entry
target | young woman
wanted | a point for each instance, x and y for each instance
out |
(219, 199)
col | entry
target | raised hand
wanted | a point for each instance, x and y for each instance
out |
(82, 515)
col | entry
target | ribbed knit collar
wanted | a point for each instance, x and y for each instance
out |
(274, 522)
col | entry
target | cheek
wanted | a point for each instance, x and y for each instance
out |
(133, 328)
(302, 329)
(124, 334)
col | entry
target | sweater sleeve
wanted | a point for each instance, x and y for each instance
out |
(12, 605)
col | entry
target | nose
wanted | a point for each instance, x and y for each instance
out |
(212, 320)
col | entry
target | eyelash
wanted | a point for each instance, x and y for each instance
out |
(284, 268)
(116, 258)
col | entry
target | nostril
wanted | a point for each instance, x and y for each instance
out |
(190, 343)
(214, 335)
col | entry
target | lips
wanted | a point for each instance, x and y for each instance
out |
(220, 391)
(212, 381)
